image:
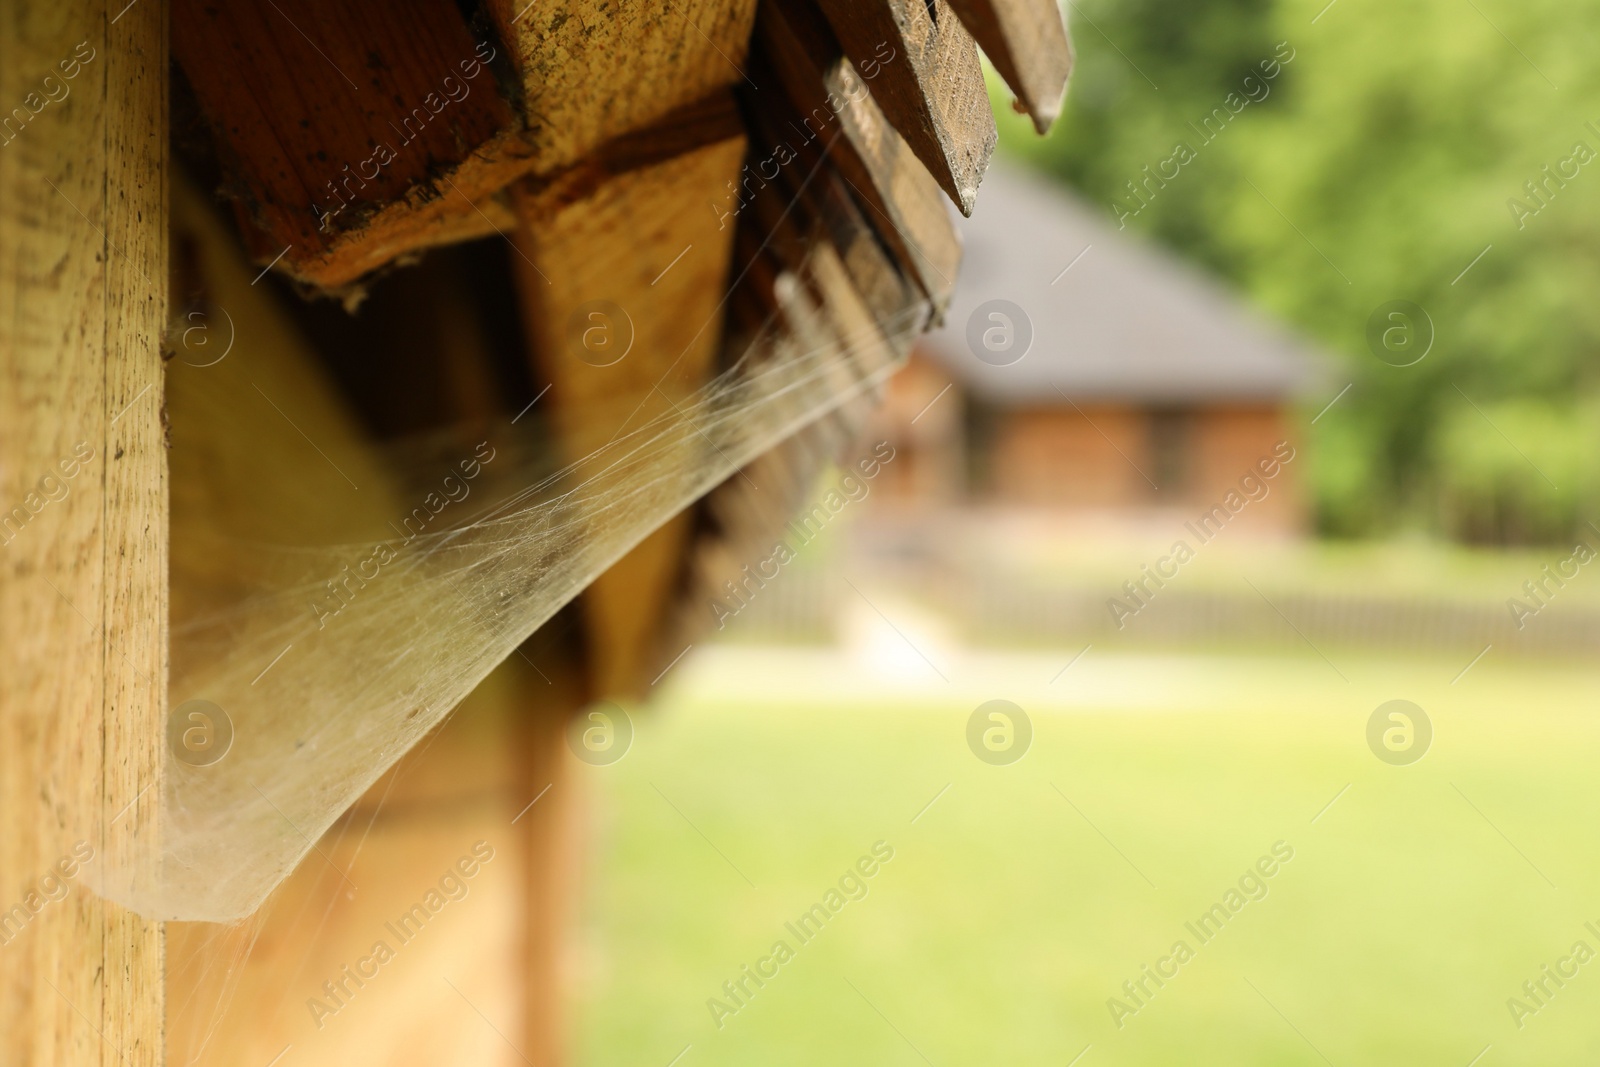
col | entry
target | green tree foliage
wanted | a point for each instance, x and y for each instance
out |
(1394, 147)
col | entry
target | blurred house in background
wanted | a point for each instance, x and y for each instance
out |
(1041, 481)
(1116, 382)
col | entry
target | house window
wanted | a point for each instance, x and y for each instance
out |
(1171, 450)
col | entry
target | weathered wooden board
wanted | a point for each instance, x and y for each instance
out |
(82, 521)
(1027, 42)
(929, 83)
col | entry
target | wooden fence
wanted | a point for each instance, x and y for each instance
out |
(805, 605)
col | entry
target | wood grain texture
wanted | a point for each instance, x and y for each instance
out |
(817, 101)
(348, 132)
(928, 80)
(636, 258)
(82, 599)
(136, 499)
(1027, 42)
(593, 70)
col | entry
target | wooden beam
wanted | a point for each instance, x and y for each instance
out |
(83, 492)
(622, 268)
(924, 71)
(349, 133)
(593, 70)
(1027, 42)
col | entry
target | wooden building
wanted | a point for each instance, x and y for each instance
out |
(1144, 388)
(255, 256)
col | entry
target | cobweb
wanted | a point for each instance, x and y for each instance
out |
(332, 645)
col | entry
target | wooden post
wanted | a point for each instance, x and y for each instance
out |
(83, 509)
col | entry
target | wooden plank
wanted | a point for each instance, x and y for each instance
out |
(926, 76)
(82, 485)
(350, 132)
(884, 289)
(816, 99)
(1027, 42)
(593, 70)
(635, 259)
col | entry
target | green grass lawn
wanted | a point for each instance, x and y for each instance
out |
(1021, 900)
